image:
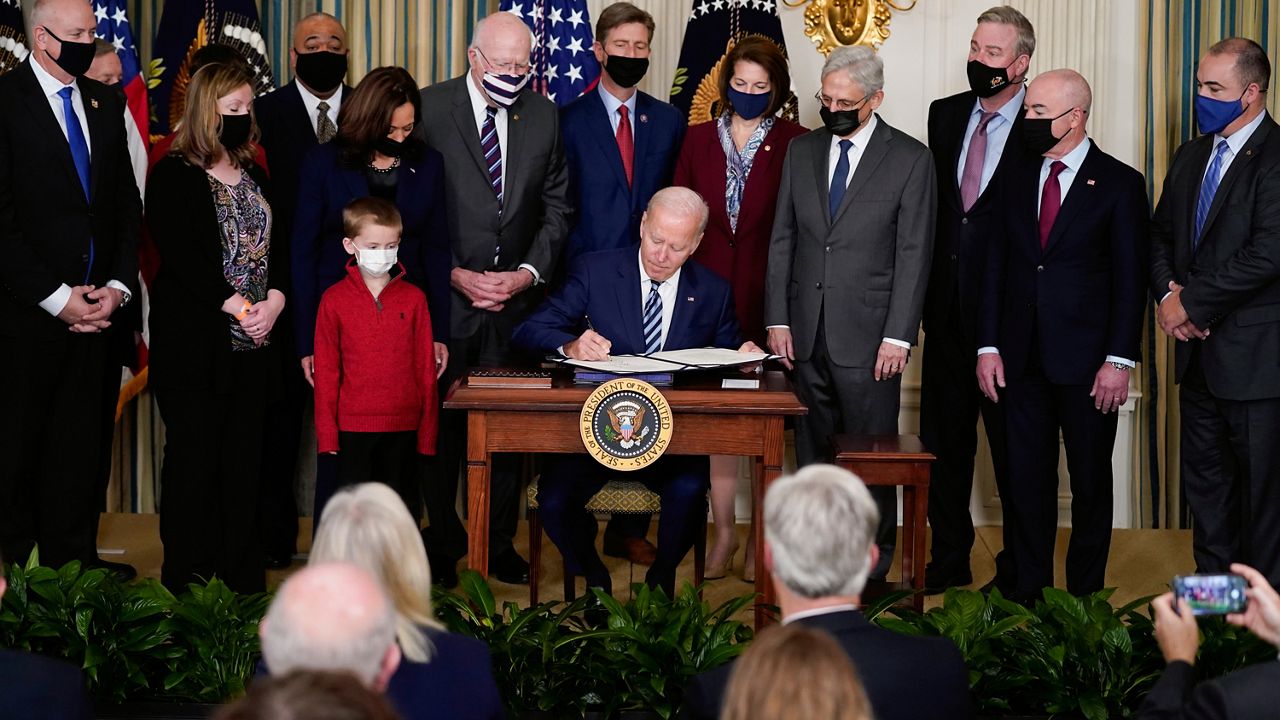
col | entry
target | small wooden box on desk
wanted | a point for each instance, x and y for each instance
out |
(894, 460)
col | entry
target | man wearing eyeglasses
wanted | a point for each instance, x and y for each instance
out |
(509, 214)
(848, 266)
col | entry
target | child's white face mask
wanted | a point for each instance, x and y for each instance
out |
(376, 262)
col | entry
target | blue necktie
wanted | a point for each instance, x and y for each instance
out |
(79, 155)
(653, 319)
(840, 179)
(1208, 187)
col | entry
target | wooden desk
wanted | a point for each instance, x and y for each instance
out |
(708, 420)
(894, 460)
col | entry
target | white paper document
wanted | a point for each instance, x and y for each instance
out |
(671, 361)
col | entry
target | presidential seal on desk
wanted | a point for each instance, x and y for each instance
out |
(626, 424)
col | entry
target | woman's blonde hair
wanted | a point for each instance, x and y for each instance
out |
(197, 137)
(368, 525)
(793, 672)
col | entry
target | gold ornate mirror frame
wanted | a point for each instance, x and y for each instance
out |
(834, 23)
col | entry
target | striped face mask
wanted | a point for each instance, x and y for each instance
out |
(504, 89)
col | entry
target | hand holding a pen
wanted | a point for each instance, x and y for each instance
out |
(591, 345)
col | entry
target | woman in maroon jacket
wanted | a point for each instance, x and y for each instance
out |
(735, 163)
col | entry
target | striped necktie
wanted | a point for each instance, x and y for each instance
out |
(653, 319)
(492, 152)
(1208, 188)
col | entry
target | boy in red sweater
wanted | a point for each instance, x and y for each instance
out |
(375, 370)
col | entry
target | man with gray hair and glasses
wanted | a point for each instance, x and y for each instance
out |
(819, 529)
(848, 266)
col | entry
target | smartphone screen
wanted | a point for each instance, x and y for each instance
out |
(1210, 594)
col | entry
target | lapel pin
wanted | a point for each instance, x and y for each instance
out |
(767, 148)
(1090, 182)
(644, 118)
(689, 299)
(515, 117)
(93, 102)
(1248, 152)
(413, 171)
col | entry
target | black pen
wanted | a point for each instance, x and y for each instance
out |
(587, 318)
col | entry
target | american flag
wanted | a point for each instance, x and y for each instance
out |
(113, 26)
(563, 65)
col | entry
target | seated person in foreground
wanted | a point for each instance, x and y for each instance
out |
(442, 675)
(791, 671)
(1247, 693)
(633, 301)
(309, 695)
(820, 527)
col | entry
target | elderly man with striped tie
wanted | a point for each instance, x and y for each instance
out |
(630, 301)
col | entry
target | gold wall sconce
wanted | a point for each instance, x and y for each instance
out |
(835, 23)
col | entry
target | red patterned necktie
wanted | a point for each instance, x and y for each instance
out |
(626, 144)
(1050, 202)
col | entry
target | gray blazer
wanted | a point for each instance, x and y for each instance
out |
(870, 266)
(536, 216)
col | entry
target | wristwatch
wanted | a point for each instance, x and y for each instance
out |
(1121, 367)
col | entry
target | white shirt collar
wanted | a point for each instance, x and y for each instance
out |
(48, 83)
(862, 137)
(312, 102)
(1009, 111)
(815, 612)
(611, 103)
(1240, 137)
(671, 282)
(478, 103)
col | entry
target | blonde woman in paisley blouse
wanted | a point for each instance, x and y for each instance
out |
(213, 305)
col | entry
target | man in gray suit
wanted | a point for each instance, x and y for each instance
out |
(848, 266)
(509, 214)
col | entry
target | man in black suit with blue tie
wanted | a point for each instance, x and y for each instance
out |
(1214, 250)
(638, 301)
(69, 220)
(293, 119)
(1059, 327)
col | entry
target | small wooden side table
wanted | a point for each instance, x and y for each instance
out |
(895, 460)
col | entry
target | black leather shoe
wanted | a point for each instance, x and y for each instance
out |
(277, 561)
(510, 568)
(937, 581)
(122, 572)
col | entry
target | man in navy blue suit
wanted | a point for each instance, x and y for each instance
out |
(1059, 324)
(687, 306)
(620, 144)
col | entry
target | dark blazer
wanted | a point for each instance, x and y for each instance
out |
(287, 136)
(37, 687)
(1233, 282)
(457, 684)
(905, 678)
(739, 257)
(1250, 693)
(319, 260)
(606, 287)
(190, 341)
(608, 210)
(1082, 298)
(45, 221)
(870, 266)
(959, 248)
(536, 212)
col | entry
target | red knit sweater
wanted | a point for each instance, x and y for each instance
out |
(375, 368)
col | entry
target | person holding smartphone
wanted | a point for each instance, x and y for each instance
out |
(1251, 692)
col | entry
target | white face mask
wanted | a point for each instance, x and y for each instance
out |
(376, 262)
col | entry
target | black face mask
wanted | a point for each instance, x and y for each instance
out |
(1037, 134)
(841, 122)
(75, 58)
(985, 80)
(235, 130)
(119, 90)
(626, 71)
(321, 71)
(389, 146)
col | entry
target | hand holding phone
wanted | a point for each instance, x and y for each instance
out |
(1218, 594)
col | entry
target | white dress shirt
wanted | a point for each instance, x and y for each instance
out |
(1073, 160)
(611, 105)
(815, 612)
(312, 103)
(997, 136)
(479, 108)
(50, 86)
(666, 291)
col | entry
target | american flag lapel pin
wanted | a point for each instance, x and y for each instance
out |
(1090, 182)
(689, 299)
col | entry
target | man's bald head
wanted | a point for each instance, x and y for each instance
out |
(501, 28)
(331, 616)
(1068, 85)
(319, 31)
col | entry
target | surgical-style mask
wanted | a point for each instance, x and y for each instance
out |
(376, 262)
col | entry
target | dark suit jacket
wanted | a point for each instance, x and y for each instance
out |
(1251, 693)
(608, 210)
(536, 212)
(45, 221)
(1232, 284)
(959, 249)
(319, 260)
(1082, 298)
(905, 678)
(606, 286)
(190, 341)
(870, 266)
(738, 257)
(36, 688)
